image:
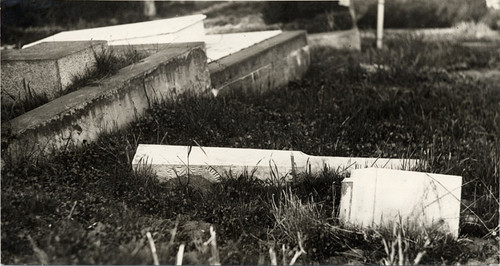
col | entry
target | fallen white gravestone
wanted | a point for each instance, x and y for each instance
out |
(374, 197)
(170, 161)
(172, 30)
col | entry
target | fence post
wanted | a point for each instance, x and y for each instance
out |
(380, 24)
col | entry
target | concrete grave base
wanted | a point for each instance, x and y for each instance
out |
(243, 62)
(248, 61)
(146, 50)
(47, 68)
(222, 45)
(82, 115)
(170, 161)
(269, 64)
(382, 197)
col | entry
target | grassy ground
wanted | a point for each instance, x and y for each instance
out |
(88, 207)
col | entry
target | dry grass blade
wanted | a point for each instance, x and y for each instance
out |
(272, 255)
(153, 248)
(72, 210)
(212, 241)
(40, 254)
(300, 251)
(180, 255)
(174, 231)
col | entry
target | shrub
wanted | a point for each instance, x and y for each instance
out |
(310, 16)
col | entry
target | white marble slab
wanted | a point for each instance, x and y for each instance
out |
(374, 197)
(169, 161)
(180, 29)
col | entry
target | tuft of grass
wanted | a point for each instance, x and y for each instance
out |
(30, 101)
(107, 63)
(291, 216)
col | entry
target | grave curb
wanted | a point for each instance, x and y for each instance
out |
(81, 116)
(269, 64)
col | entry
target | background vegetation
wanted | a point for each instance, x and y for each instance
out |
(421, 13)
(25, 21)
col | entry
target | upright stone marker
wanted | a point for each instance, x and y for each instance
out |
(46, 68)
(374, 197)
(170, 161)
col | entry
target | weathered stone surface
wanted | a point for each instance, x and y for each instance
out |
(222, 45)
(46, 68)
(266, 65)
(151, 49)
(376, 197)
(172, 30)
(82, 115)
(170, 161)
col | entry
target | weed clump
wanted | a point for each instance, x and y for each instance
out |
(21, 106)
(107, 63)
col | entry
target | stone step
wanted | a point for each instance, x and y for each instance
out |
(170, 161)
(45, 69)
(374, 197)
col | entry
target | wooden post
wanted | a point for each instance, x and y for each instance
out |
(149, 8)
(380, 24)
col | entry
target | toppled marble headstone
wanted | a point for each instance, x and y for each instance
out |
(171, 161)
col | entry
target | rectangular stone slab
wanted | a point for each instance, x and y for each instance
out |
(374, 197)
(47, 68)
(170, 161)
(180, 29)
